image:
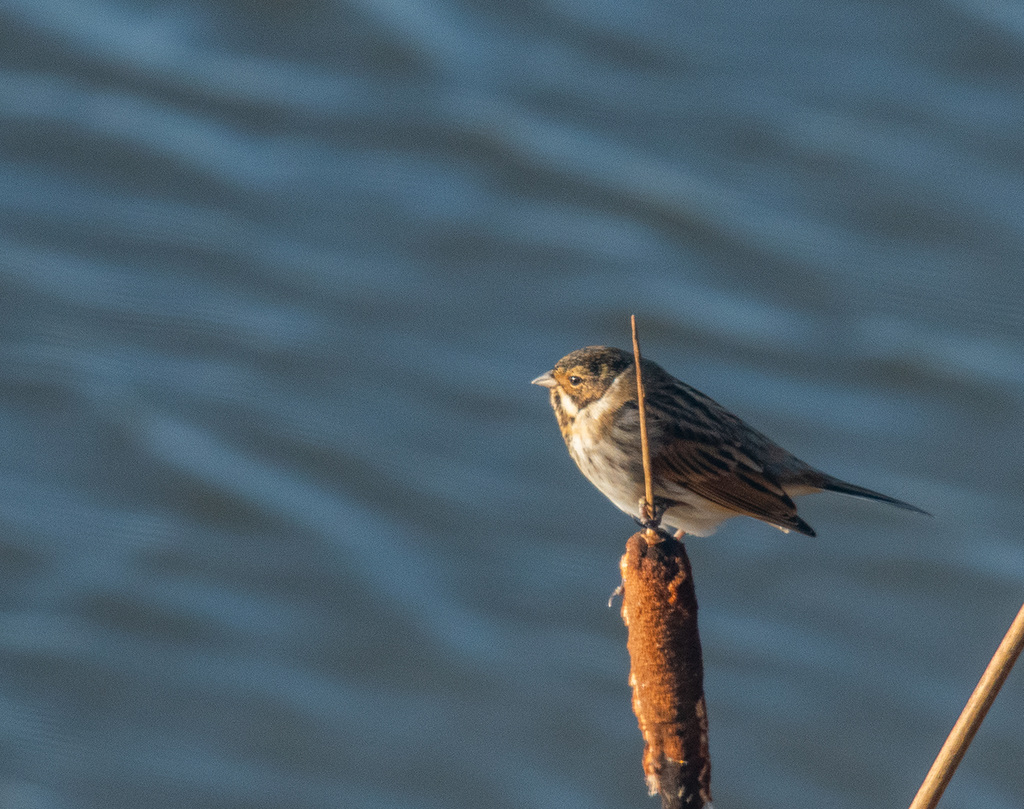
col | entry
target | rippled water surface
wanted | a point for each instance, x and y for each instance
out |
(283, 523)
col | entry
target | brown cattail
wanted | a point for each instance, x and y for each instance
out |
(659, 607)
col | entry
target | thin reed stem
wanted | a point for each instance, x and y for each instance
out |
(649, 515)
(967, 725)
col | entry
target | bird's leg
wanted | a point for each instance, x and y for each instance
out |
(656, 511)
(651, 514)
(680, 534)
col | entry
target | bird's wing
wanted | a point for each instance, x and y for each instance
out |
(705, 449)
(725, 477)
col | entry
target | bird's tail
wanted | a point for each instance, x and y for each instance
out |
(832, 484)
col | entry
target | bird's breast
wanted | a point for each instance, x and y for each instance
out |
(607, 455)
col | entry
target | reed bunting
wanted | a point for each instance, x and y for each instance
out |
(707, 465)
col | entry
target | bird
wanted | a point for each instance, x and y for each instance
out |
(707, 464)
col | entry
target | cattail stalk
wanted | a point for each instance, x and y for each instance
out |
(659, 608)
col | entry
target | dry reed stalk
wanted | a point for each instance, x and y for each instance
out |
(974, 711)
(650, 518)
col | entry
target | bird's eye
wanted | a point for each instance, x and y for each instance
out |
(575, 381)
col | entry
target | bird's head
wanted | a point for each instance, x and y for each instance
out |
(583, 376)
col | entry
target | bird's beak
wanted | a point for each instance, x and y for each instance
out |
(545, 380)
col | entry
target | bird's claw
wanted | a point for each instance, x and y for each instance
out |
(650, 515)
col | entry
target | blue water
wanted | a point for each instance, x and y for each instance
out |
(283, 523)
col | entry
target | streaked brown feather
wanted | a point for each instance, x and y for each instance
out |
(704, 448)
(696, 467)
